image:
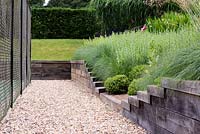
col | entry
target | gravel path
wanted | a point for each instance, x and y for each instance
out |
(63, 107)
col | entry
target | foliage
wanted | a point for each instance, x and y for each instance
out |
(185, 64)
(114, 55)
(182, 64)
(137, 72)
(63, 23)
(54, 49)
(68, 3)
(117, 84)
(120, 15)
(171, 21)
(106, 54)
(133, 87)
(118, 54)
(171, 50)
(192, 7)
(36, 3)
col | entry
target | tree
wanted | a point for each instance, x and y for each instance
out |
(36, 3)
(68, 3)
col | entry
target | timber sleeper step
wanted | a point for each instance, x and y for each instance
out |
(100, 90)
(155, 91)
(126, 105)
(90, 73)
(93, 79)
(143, 96)
(133, 100)
(98, 83)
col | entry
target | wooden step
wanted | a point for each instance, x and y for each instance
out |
(93, 79)
(90, 73)
(133, 100)
(156, 91)
(126, 105)
(143, 96)
(100, 90)
(89, 70)
(98, 83)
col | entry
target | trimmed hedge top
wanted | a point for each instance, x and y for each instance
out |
(55, 23)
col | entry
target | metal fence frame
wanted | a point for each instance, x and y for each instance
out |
(15, 51)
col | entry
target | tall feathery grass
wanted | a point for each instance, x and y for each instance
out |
(118, 54)
(120, 15)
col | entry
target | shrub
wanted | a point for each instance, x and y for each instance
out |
(171, 21)
(133, 87)
(136, 72)
(50, 23)
(117, 84)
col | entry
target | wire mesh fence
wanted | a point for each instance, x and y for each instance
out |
(15, 36)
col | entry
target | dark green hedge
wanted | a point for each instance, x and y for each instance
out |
(54, 23)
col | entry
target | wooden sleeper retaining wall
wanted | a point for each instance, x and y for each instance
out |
(173, 108)
(51, 70)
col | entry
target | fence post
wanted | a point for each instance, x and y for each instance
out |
(27, 44)
(11, 52)
(21, 53)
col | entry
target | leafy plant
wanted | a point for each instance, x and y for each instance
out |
(137, 72)
(170, 21)
(133, 87)
(117, 84)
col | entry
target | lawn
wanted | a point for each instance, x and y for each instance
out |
(54, 49)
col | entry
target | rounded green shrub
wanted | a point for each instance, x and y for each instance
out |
(136, 72)
(117, 84)
(133, 87)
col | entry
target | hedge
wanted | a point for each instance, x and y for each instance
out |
(55, 23)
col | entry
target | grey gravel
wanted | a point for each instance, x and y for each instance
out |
(63, 107)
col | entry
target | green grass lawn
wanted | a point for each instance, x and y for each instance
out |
(54, 49)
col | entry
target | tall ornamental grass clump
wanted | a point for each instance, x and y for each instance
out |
(182, 64)
(118, 54)
(120, 15)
